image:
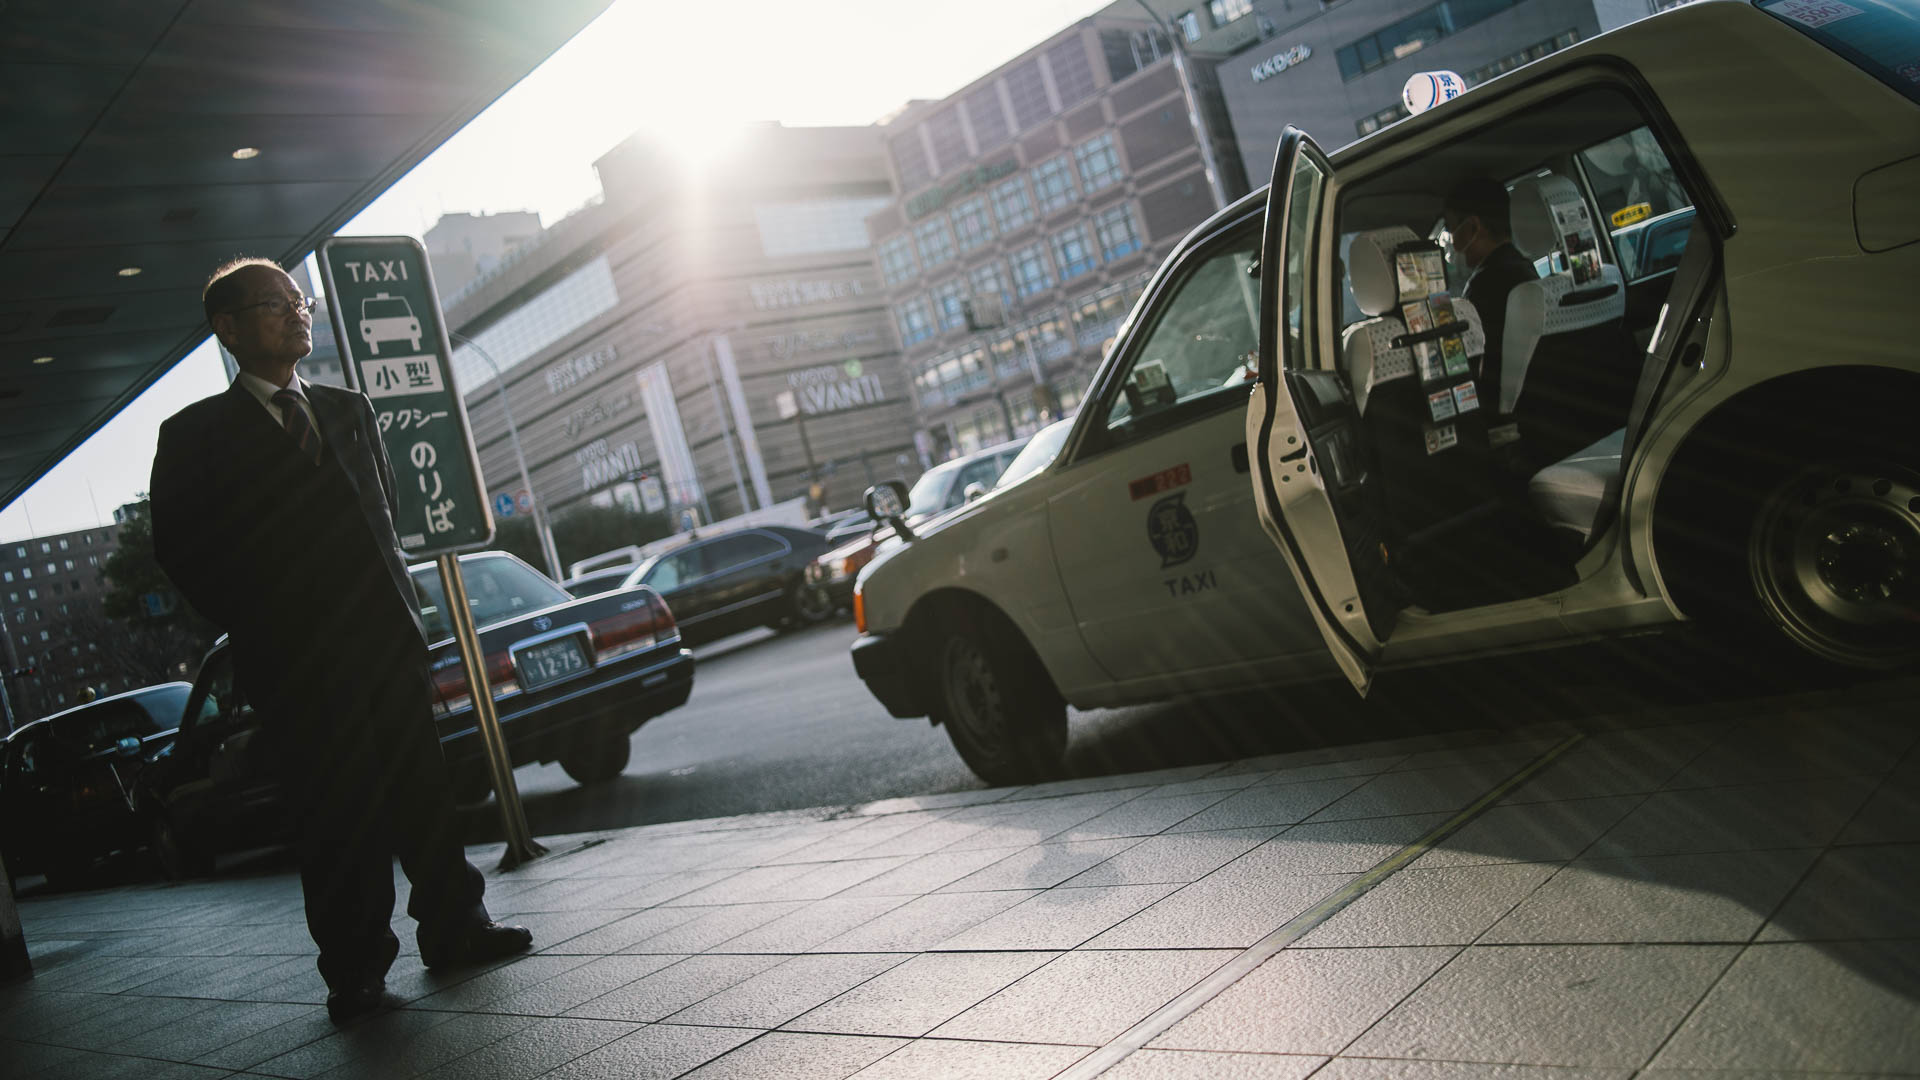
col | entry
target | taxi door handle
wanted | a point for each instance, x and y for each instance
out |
(1239, 456)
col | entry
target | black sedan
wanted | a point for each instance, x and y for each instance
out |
(66, 779)
(737, 580)
(572, 679)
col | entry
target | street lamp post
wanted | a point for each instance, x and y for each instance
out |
(1195, 115)
(540, 523)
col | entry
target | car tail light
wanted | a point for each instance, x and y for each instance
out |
(626, 632)
(450, 682)
(859, 608)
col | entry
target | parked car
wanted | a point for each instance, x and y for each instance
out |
(836, 570)
(733, 581)
(572, 680)
(1737, 428)
(65, 780)
(595, 582)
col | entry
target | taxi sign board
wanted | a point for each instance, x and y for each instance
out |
(386, 317)
(1627, 215)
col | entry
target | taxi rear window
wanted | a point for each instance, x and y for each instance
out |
(1881, 37)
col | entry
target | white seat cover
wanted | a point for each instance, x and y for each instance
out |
(1367, 346)
(1534, 309)
(1567, 494)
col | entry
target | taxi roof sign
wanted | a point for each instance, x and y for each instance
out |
(1627, 215)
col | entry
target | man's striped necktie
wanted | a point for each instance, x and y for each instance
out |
(299, 428)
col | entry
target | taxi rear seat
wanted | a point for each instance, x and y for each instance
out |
(1568, 364)
(1567, 494)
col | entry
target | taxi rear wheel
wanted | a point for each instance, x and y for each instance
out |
(1833, 555)
(998, 706)
(598, 759)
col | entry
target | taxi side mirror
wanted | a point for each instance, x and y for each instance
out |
(976, 490)
(128, 745)
(886, 502)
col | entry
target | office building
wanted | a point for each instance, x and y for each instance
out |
(53, 622)
(702, 340)
(462, 247)
(1035, 202)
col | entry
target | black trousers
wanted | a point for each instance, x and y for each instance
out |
(368, 784)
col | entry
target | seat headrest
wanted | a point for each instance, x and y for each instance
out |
(1376, 289)
(1544, 210)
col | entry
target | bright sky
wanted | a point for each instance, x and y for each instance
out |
(643, 65)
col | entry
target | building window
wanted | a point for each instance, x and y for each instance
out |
(916, 321)
(52, 568)
(1099, 163)
(1225, 11)
(46, 546)
(33, 594)
(63, 543)
(26, 572)
(521, 334)
(13, 598)
(1116, 232)
(89, 539)
(93, 646)
(1413, 33)
(93, 560)
(910, 158)
(1030, 273)
(66, 609)
(896, 259)
(1071, 252)
(1053, 184)
(69, 564)
(991, 280)
(44, 635)
(950, 304)
(971, 225)
(816, 226)
(1525, 56)
(20, 552)
(936, 242)
(9, 575)
(1028, 94)
(1189, 24)
(1072, 71)
(1011, 206)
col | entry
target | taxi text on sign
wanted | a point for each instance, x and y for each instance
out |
(386, 316)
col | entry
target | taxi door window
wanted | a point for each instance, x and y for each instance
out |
(1642, 204)
(677, 569)
(1204, 343)
(736, 551)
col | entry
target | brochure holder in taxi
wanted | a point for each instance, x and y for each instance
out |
(1437, 340)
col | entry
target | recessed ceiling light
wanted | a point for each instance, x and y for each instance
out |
(43, 359)
(129, 271)
(246, 152)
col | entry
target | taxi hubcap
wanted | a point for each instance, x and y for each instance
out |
(971, 688)
(1835, 557)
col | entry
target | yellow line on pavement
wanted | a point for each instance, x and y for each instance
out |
(1156, 1024)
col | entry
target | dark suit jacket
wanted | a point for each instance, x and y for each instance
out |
(299, 564)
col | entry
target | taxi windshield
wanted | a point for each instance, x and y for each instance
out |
(497, 589)
(1038, 454)
(1881, 37)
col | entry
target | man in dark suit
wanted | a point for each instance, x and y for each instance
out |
(1477, 213)
(272, 515)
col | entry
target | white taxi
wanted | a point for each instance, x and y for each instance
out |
(1304, 373)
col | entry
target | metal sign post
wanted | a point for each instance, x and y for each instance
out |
(386, 317)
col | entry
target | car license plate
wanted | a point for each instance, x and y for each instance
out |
(550, 661)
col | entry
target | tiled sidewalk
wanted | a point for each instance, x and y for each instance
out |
(1728, 893)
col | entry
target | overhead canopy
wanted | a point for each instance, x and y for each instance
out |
(118, 125)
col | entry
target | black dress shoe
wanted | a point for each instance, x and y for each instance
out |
(345, 1003)
(488, 941)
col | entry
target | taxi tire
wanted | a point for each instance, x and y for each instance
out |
(597, 759)
(997, 703)
(806, 606)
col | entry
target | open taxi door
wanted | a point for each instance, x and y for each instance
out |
(1310, 465)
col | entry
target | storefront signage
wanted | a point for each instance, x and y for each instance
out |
(596, 412)
(792, 292)
(564, 375)
(788, 346)
(1280, 61)
(602, 464)
(834, 388)
(933, 199)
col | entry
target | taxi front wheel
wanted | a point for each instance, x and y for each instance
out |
(998, 706)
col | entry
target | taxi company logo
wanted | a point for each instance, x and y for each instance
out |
(1172, 530)
(1281, 61)
(543, 624)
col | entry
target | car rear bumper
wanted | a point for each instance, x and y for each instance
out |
(539, 727)
(882, 663)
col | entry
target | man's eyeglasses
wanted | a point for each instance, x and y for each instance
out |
(278, 306)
